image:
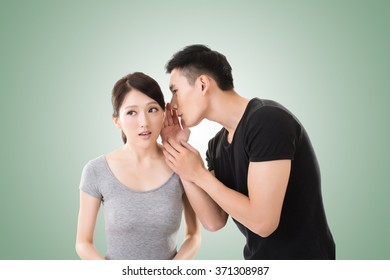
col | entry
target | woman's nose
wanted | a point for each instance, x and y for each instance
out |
(143, 120)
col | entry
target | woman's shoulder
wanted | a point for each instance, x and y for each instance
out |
(94, 166)
(95, 161)
(113, 154)
(91, 176)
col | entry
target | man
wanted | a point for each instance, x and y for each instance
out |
(262, 169)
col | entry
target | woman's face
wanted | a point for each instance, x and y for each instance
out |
(140, 118)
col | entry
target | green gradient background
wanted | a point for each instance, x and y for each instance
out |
(327, 61)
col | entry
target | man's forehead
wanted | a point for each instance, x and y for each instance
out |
(174, 76)
(174, 73)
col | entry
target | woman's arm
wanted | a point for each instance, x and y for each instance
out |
(192, 238)
(89, 208)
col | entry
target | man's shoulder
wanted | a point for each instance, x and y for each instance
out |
(265, 110)
(216, 140)
(218, 136)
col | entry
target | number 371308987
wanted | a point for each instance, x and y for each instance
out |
(235, 270)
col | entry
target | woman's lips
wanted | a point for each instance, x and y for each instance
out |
(145, 134)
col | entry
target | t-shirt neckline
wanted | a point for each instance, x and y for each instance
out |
(225, 142)
(130, 189)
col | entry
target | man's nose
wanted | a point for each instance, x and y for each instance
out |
(173, 103)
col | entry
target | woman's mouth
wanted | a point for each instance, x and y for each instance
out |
(145, 134)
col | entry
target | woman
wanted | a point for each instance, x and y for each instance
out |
(143, 199)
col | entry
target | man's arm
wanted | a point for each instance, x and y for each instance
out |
(267, 183)
(208, 212)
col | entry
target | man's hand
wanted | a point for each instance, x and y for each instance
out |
(172, 128)
(183, 159)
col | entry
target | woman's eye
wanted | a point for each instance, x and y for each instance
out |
(131, 113)
(153, 110)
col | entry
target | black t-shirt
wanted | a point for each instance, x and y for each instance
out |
(268, 131)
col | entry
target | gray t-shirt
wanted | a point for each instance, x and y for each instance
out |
(139, 225)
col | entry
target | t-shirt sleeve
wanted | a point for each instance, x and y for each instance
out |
(89, 182)
(272, 134)
(209, 156)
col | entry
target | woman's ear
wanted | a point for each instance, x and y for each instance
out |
(116, 121)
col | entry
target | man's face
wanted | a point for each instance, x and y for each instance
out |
(187, 99)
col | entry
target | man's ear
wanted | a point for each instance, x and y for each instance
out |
(204, 81)
(116, 121)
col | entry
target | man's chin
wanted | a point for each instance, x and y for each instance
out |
(193, 123)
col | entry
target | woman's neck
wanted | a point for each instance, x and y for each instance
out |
(140, 154)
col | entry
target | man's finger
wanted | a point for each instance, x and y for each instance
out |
(170, 165)
(169, 158)
(175, 117)
(183, 124)
(168, 114)
(169, 149)
(188, 146)
(175, 145)
(165, 123)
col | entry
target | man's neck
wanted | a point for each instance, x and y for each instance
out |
(227, 109)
